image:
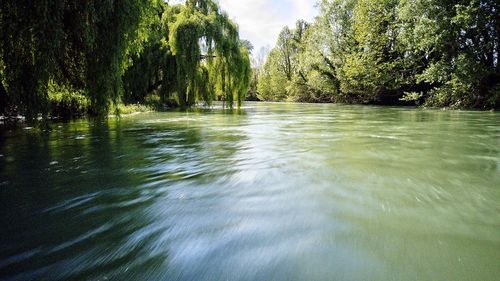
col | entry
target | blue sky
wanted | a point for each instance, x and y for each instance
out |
(260, 21)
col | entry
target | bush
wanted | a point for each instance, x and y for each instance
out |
(126, 109)
(66, 102)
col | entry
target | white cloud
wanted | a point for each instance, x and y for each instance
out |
(260, 21)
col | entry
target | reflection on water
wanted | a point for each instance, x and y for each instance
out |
(274, 192)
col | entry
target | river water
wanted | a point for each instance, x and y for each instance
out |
(269, 192)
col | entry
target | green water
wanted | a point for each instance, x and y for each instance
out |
(271, 192)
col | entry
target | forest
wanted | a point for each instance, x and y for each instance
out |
(438, 53)
(70, 58)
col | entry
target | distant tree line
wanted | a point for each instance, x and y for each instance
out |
(426, 52)
(72, 57)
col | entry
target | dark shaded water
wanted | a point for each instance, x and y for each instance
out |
(273, 192)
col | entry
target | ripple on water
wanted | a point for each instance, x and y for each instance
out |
(279, 192)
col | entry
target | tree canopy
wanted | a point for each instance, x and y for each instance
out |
(106, 51)
(431, 52)
(68, 57)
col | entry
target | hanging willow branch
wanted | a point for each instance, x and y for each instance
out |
(223, 72)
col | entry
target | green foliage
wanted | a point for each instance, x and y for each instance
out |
(439, 53)
(193, 53)
(272, 81)
(221, 69)
(282, 68)
(58, 53)
(373, 69)
(152, 69)
(81, 44)
(127, 109)
(66, 102)
(458, 47)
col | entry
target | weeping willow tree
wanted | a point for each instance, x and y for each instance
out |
(82, 45)
(152, 70)
(117, 33)
(103, 51)
(193, 53)
(211, 61)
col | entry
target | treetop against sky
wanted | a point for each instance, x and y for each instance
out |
(260, 21)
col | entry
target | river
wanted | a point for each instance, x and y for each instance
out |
(268, 192)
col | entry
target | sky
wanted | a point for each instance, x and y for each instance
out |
(260, 21)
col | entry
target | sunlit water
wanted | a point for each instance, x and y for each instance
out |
(271, 192)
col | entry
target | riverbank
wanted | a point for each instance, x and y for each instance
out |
(121, 110)
(124, 110)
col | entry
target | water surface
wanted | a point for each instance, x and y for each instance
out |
(271, 192)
